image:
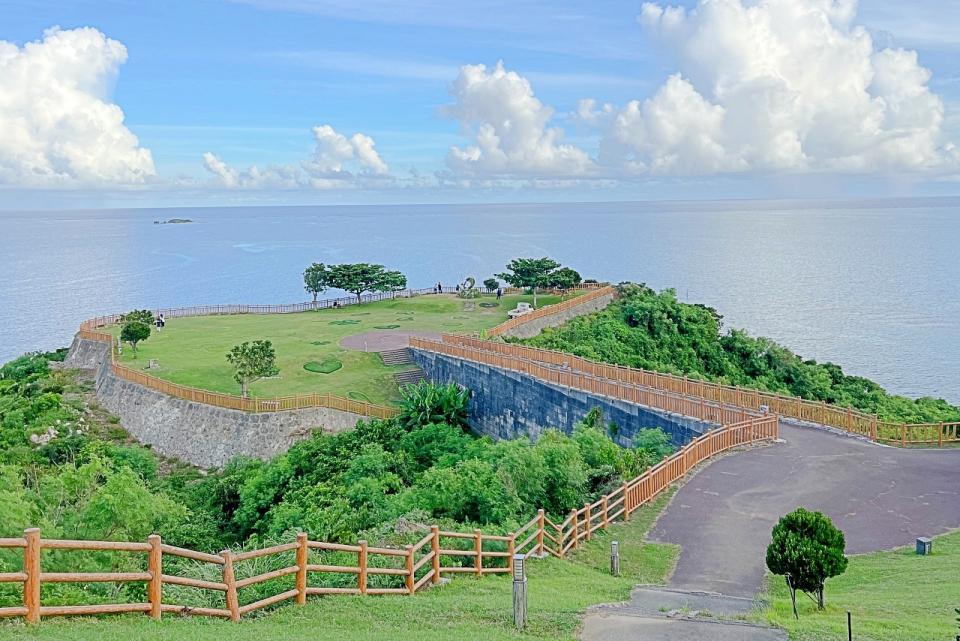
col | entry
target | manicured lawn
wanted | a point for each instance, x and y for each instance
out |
(191, 351)
(466, 609)
(893, 596)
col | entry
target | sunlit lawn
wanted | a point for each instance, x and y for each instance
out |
(892, 596)
(192, 351)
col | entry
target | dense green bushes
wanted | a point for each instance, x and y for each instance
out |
(66, 467)
(655, 331)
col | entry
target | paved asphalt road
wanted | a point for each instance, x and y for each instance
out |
(881, 497)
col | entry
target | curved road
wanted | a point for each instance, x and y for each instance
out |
(881, 497)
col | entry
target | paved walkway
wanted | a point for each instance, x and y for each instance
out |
(881, 497)
(384, 340)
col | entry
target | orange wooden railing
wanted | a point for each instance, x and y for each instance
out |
(411, 568)
(697, 407)
(592, 292)
(844, 418)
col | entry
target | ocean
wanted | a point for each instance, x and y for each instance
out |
(873, 286)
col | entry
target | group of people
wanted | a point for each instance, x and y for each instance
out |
(438, 289)
(160, 321)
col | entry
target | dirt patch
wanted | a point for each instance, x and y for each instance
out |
(385, 340)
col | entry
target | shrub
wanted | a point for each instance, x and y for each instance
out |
(426, 403)
(327, 366)
(807, 549)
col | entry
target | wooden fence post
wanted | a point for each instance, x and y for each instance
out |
(603, 507)
(410, 580)
(435, 548)
(362, 561)
(31, 567)
(541, 526)
(303, 556)
(511, 549)
(478, 548)
(155, 567)
(576, 528)
(626, 502)
(903, 430)
(940, 435)
(587, 520)
(873, 427)
(230, 580)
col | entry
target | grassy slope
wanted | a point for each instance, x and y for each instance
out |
(191, 351)
(893, 596)
(464, 610)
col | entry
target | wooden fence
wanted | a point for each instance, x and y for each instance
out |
(89, 331)
(410, 568)
(844, 418)
(590, 293)
(697, 407)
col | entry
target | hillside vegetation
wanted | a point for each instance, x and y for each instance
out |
(655, 331)
(68, 468)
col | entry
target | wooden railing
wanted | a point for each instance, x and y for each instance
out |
(89, 331)
(591, 293)
(696, 407)
(397, 570)
(844, 418)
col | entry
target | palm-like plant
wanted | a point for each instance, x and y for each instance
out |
(426, 403)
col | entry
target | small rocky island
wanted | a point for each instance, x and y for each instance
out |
(173, 221)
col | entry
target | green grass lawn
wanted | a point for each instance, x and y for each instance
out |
(893, 596)
(192, 351)
(464, 610)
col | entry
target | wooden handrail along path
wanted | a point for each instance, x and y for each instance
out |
(399, 571)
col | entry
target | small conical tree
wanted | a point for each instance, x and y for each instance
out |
(807, 549)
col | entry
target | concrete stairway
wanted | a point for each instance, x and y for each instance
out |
(396, 356)
(410, 377)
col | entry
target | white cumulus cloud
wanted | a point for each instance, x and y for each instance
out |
(58, 126)
(510, 128)
(337, 162)
(776, 85)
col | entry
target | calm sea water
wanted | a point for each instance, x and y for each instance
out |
(872, 286)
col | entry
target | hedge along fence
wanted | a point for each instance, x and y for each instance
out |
(844, 418)
(360, 569)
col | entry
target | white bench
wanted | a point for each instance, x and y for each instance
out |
(522, 309)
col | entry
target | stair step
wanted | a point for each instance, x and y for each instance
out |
(411, 377)
(396, 357)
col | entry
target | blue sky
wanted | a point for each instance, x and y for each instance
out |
(247, 81)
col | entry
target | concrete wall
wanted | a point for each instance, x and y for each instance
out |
(200, 434)
(507, 404)
(537, 325)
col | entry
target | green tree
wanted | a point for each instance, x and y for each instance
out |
(139, 315)
(531, 273)
(358, 278)
(252, 361)
(564, 279)
(316, 279)
(134, 332)
(807, 549)
(491, 284)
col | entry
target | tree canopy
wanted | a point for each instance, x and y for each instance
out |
(564, 278)
(491, 284)
(806, 549)
(316, 279)
(136, 327)
(358, 278)
(531, 273)
(252, 361)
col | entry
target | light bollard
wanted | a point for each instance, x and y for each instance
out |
(519, 591)
(615, 558)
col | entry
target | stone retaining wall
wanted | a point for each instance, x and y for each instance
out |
(535, 326)
(203, 435)
(507, 404)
